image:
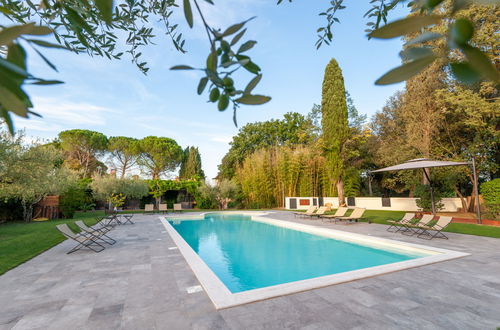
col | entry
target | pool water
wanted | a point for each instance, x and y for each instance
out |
(247, 254)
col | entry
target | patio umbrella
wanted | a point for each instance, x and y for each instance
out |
(423, 163)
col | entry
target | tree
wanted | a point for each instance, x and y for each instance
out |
(124, 153)
(293, 129)
(191, 164)
(105, 187)
(93, 26)
(82, 149)
(335, 125)
(28, 173)
(159, 155)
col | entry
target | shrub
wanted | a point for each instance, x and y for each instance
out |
(490, 191)
(424, 200)
(71, 200)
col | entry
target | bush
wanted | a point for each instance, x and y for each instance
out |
(72, 199)
(490, 191)
(424, 200)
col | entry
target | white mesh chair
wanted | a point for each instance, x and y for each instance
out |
(399, 224)
(149, 208)
(355, 216)
(178, 207)
(438, 227)
(98, 234)
(310, 210)
(83, 241)
(339, 213)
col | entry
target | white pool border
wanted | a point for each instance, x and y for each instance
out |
(223, 298)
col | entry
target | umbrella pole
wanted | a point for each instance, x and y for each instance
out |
(432, 191)
(478, 207)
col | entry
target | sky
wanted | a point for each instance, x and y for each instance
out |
(115, 98)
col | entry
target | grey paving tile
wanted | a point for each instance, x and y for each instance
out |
(139, 283)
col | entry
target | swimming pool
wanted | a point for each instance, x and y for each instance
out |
(254, 257)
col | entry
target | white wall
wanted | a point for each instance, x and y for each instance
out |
(375, 203)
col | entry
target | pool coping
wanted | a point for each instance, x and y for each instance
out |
(222, 298)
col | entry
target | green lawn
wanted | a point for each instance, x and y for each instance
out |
(20, 241)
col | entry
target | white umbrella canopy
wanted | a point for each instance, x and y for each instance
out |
(423, 163)
(418, 164)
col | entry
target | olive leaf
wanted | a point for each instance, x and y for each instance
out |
(253, 99)
(405, 71)
(188, 13)
(404, 26)
(106, 9)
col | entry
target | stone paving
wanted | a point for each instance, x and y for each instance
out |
(139, 283)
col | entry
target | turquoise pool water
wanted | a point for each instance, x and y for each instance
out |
(247, 254)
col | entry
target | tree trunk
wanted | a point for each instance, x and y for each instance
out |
(463, 200)
(27, 211)
(411, 192)
(340, 191)
(472, 204)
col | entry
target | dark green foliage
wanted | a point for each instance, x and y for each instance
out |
(293, 129)
(191, 165)
(334, 123)
(124, 153)
(71, 200)
(159, 155)
(490, 191)
(82, 149)
(424, 201)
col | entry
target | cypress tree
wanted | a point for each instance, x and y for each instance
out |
(191, 164)
(334, 122)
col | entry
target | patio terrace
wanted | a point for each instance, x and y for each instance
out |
(142, 282)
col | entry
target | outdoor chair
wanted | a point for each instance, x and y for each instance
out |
(99, 234)
(319, 212)
(399, 224)
(354, 217)
(110, 220)
(340, 212)
(128, 219)
(413, 228)
(149, 208)
(438, 227)
(178, 207)
(310, 210)
(83, 241)
(163, 208)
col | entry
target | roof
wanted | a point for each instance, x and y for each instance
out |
(419, 163)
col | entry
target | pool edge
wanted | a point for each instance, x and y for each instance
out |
(222, 298)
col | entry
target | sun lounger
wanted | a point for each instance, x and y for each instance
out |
(438, 227)
(310, 210)
(83, 241)
(399, 224)
(321, 211)
(339, 213)
(413, 227)
(178, 207)
(99, 234)
(128, 219)
(149, 208)
(163, 208)
(354, 217)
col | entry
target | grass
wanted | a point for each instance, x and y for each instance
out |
(20, 241)
(381, 217)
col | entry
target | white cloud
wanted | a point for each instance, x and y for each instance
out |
(58, 114)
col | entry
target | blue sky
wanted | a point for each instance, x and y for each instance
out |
(113, 97)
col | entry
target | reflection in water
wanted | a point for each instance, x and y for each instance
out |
(247, 254)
